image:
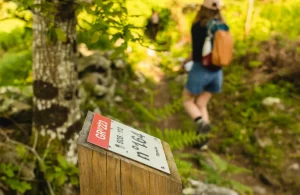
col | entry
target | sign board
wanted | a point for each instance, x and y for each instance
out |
(127, 141)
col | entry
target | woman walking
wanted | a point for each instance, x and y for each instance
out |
(203, 79)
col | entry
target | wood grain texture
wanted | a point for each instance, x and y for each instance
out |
(126, 182)
(84, 157)
(92, 171)
(98, 176)
(140, 180)
(113, 174)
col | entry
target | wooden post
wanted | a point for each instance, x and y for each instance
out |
(105, 173)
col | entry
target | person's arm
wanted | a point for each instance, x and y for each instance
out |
(198, 38)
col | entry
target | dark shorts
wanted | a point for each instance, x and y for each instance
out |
(200, 79)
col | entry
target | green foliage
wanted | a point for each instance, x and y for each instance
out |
(15, 67)
(16, 40)
(9, 175)
(105, 26)
(155, 114)
(186, 169)
(61, 172)
(177, 139)
(221, 172)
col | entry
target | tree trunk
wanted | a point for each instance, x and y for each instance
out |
(249, 17)
(55, 87)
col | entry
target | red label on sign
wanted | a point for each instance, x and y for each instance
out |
(100, 131)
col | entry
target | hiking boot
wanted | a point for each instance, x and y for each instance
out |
(203, 129)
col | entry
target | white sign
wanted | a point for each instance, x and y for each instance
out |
(128, 142)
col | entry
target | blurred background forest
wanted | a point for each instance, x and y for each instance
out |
(128, 75)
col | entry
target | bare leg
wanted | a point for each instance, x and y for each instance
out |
(201, 102)
(189, 104)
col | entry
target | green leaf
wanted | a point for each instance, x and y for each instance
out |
(74, 180)
(108, 6)
(73, 170)
(241, 188)
(50, 176)
(21, 150)
(58, 169)
(18, 185)
(62, 162)
(255, 64)
(232, 169)
(61, 35)
(61, 180)
(95, 37)
(99, 3)
(220, 163)
(9, 173)
(8, 169)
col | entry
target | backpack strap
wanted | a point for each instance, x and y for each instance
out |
(210, 25)
(214, 25)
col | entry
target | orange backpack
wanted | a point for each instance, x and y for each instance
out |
(222, 44)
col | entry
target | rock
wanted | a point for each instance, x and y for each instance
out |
(27, 171)
(68, 189)
(119, 63)
(189, 191)
(118, 99)
(96, 62)
(269, 179)
(82, 48)
(15, 105)
(100, 90)
(259, 190)
(91, 79)
(291, 177)
(264, 142)
(278, 131)
(294, 167)
(199, 188)
(270, 101)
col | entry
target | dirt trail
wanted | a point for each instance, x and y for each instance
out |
(163, 97)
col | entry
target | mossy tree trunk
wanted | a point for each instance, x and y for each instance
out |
(55, 87)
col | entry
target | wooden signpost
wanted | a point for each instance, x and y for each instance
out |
(115, 159)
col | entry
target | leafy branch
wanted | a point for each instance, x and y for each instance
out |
(32, 150)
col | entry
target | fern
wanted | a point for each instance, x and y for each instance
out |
(177, 139)
(145, 112)
(168, 109)
(158, 114)
(241, 188)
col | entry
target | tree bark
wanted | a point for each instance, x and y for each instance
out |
(55, 87)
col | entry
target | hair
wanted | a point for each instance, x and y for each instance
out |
(205, 15)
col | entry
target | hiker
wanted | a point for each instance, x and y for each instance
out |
(152, 26)
(203, 79)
